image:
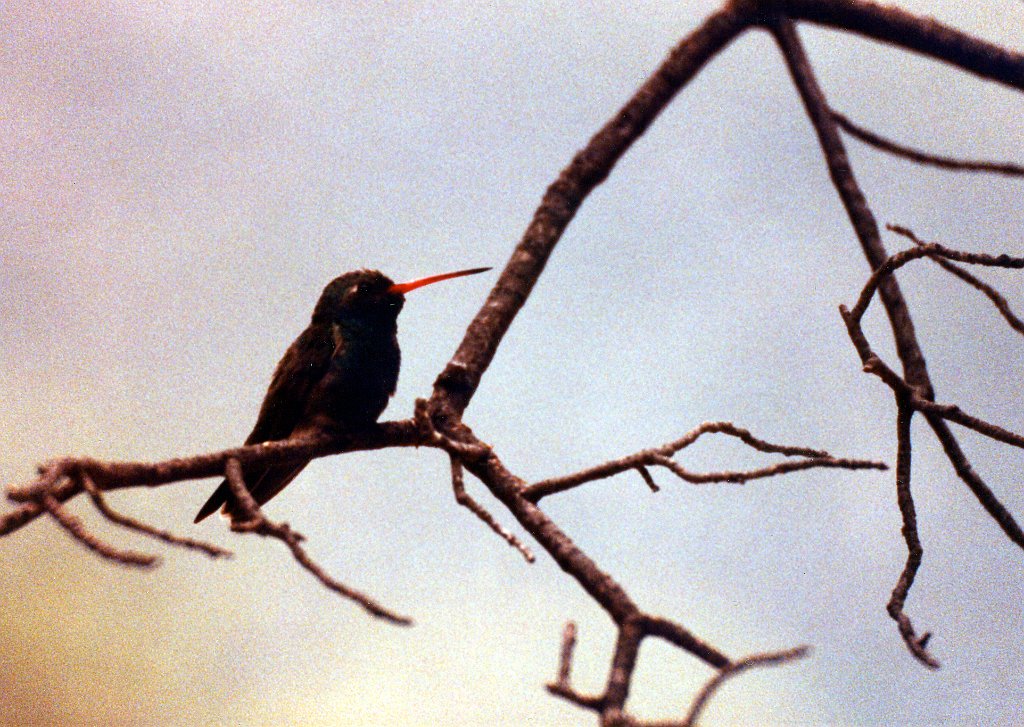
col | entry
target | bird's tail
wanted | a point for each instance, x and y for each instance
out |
(263, 484)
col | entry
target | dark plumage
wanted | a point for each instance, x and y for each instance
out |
(337, 375)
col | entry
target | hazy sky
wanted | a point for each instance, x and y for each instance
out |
(180, 180)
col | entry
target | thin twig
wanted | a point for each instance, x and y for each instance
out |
(862, 219)
(76, 528)
(464, 499)
(916, 644)
(674, 633)
(138, 526)
(937, 414)
(256, 522)
(661, 456)
(562, 686)
(648, 478)
(945, 43)
(739, 477)
(898, 260)
(973, 480)
(611, 703)
(991, 293)
(565, 656)
(859, 212)
(920, 157)
(765, 659)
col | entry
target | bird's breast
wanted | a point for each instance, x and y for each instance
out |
(361, 378)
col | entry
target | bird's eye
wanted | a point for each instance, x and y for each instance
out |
(354, 289)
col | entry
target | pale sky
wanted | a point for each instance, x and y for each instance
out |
(179, 182)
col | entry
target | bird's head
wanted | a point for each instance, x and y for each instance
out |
(370, 298)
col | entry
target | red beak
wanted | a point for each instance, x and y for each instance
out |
(413, 284)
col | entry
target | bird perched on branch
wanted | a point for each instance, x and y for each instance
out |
(336, 376)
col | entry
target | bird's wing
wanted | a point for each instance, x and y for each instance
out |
(301, 368)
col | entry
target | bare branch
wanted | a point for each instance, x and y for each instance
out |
(61, 478)
(624, 660)
(20, 516)
(119, 475)
(76, 528)
(893, 263)
(741, 476)
(971, 478)
(952, 412)
(873, 363)
(647, 478)
(568, 693)
(920, 157)
(464, 499)
(936, 415)
(562, 686)
(591, 166)
(248, 506)
(673, 633)
(438, 423)
(660, 456)
(850, 194)
(611, 703)
(138, 526)
(900, 28)
(620, 676)
(256, 522)
(465, 450)
(565, 657)
(905, 499)
(769, 658)
(929, 38)
(991, 293)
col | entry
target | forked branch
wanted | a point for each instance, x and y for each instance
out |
(909, 395)
(1000, 302)
(609, 704)
(802, 458)
(913, 389)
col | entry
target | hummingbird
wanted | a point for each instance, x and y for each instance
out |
(336, 376)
